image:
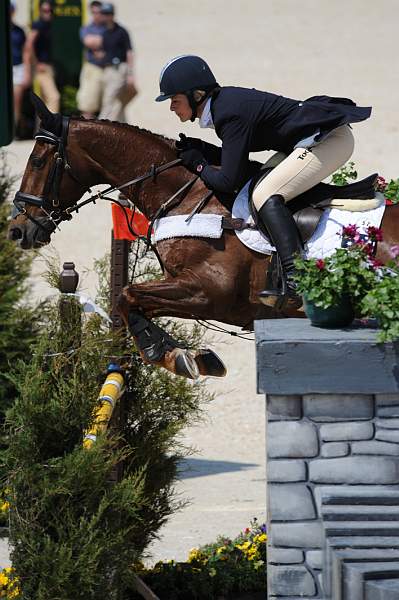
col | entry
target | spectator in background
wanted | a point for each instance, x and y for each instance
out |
(38, 48)
(90, 92)
(119, 88)
(20, 69)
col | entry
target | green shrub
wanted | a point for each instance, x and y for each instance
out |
(18, 322)
(75, 534)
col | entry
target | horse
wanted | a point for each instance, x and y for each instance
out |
(203, 279)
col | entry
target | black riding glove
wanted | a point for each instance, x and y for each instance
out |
(189, 143)
(193, 160)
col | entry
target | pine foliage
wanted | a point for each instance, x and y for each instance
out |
(16, 321)
(75, 534)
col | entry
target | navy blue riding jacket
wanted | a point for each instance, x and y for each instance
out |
(248, 120)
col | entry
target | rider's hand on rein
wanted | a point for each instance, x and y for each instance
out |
(193, 160)
(189, 143)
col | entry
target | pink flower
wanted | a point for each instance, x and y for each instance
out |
(350, 231)
(320, 264)
(394, 251)
(368, 249)
(374, 233)
(381, 184)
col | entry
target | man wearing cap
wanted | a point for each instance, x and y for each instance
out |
(90, 91)
(39, 54)
(119, 86)
(20, 65)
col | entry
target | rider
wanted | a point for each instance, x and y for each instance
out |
(312, 139)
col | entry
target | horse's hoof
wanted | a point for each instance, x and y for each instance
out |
(271, 301)
(185, 364)
(285, 302)
(209, 364)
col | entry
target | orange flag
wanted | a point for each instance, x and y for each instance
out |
(138, 222)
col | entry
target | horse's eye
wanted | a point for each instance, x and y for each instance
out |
(37, 162)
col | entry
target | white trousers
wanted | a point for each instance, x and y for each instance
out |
(305, 167)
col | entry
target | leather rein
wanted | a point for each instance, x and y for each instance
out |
(49, 202)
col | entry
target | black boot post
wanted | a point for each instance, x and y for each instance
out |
(284, 235)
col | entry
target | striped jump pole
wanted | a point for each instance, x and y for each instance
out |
(110, 393)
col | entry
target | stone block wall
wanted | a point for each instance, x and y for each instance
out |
(333, 496)
(332, 461)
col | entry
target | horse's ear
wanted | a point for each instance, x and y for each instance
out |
(50, 121)
(41, 109)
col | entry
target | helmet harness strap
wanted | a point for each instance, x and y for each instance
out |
(193, 104)
(195, 98)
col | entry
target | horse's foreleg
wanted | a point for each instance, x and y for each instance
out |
(157, 347)
(172, 298)
(179, 297)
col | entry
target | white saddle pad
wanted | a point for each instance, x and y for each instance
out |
(324, 241)
(202, 225)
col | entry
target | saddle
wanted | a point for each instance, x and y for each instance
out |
(308, 207)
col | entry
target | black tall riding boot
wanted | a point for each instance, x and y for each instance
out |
(281, 227)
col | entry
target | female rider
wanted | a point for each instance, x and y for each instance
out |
(312, 139)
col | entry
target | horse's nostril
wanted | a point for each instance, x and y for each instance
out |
(16, 233)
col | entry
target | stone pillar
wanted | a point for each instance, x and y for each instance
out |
(332, 461)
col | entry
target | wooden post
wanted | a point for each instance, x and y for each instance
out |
(69, 307)
(119, 278)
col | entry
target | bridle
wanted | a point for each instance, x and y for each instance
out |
(49, 202)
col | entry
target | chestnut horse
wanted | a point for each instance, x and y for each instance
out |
(203, 278)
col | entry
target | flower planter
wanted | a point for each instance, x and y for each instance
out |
(332, 317)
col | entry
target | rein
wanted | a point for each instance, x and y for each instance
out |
(50, 205)
(49, 202)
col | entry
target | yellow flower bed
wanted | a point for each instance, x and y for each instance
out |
(9, 584)
(225, 568)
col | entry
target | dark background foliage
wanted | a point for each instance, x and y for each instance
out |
(18, 322)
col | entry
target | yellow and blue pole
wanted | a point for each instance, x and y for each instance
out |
(110, 393)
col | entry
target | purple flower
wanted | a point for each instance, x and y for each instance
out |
(381, 184)
(374, 233)
(394, 251)
(350, 231)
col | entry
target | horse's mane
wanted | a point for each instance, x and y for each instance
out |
(128, 127)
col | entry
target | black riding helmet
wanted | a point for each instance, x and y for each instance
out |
(183, 75)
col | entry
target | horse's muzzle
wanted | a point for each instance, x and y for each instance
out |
(15, 233)
(28, 235)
